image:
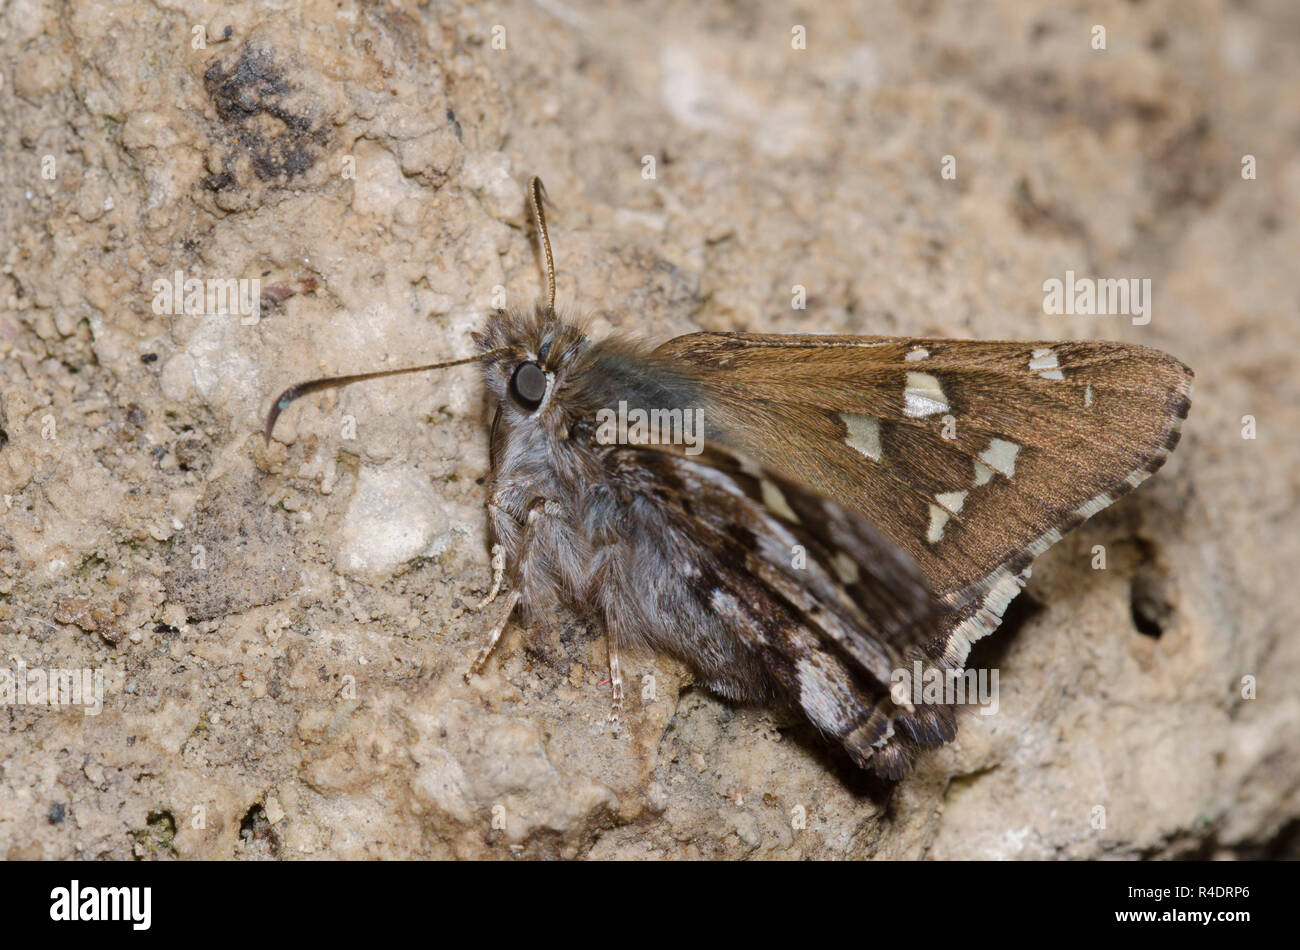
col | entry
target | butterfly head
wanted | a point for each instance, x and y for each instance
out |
(528, 360)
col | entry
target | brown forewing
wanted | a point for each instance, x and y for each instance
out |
(1088, 421)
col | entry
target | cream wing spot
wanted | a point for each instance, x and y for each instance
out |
(775, 501)
(863, 434)
(952, 500)
(1044, 363)
(919, 353)
(923, 396)
(983, 474)
(1043, 358)
(1001, 457)
(938, 520)
(845, 568)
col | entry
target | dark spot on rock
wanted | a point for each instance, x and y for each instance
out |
(278, 293)
(190, 453)
(4, 438)
(58, 811)
(148, 357)
(218, 182)
(256, 829)
(228, 32)
(265, 117)
(455, 126)
(135, 415)
(1152, 595)
(1038, 214)
(1151, 614)
(252, 85)
(157, 837)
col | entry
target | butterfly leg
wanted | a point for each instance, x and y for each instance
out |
(498, 573)
(494, 637)
(615, 680)
(535, 511)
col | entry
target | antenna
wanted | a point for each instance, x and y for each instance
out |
(330, 382)
(536, 195)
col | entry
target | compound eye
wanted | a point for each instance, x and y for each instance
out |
(528, 385)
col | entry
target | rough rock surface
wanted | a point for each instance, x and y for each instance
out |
(297, 690)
